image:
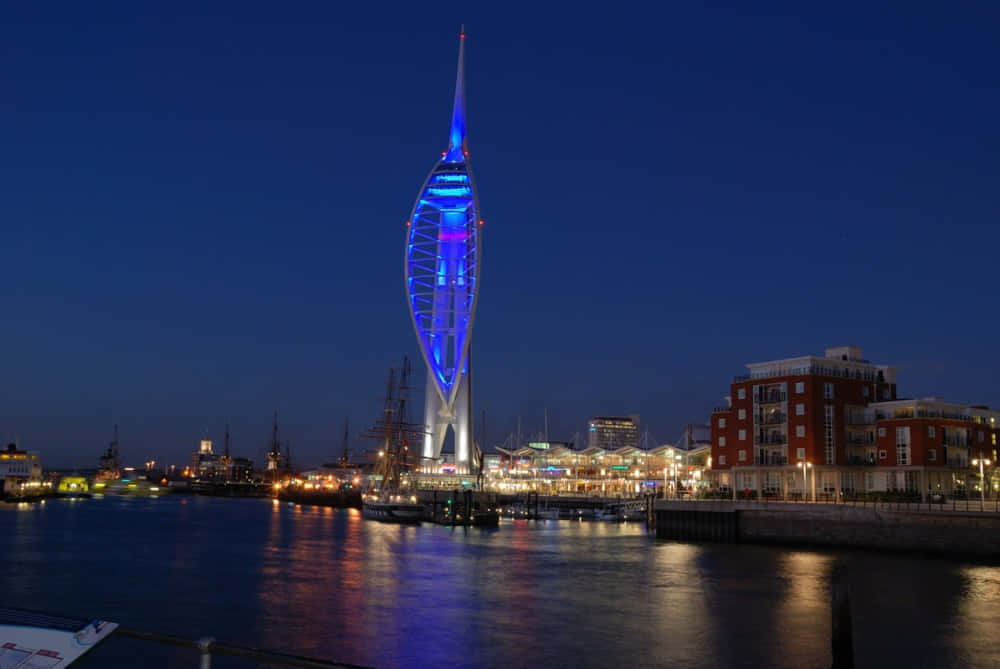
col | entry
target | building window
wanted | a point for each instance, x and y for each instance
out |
(742, 436)
(881, 454)
(742, 414)
(881, 432)
(722, 423)
(931, 455)
(800, 387)
(800, 453)
(864, 391)
(800, 430)
(828, 391)
(722, 441)
(741, 393)
(722, 459)
(981, 436)
(902, 445)
(930, 431)
(800, 409)
(742, 456)
(828, 441)
(885, 393)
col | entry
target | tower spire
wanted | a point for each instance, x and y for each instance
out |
(456, 137)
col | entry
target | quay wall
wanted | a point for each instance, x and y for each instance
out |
(831, 525)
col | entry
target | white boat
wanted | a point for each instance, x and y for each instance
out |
(392, 507)
(31, 639)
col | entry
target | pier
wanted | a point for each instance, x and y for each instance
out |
(930, 528)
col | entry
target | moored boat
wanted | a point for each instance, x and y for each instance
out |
(73, 487)
(393, 507)
(487, 518)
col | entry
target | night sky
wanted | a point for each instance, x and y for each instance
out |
(202, 214)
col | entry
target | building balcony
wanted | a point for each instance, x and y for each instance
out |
(859, 440)
(775, 418)
(866, 460)
(769, 398)
(859, 419)
(721, 409)
(956, 441)
(740, 378)
(958, 462)
(771, 440)
(771, 459)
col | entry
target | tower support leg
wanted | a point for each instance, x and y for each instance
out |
(434, 428)
(462, 424)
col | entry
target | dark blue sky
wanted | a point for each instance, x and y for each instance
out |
(201, 214)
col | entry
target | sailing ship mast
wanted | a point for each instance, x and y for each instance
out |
(345, 459)
(110, 462)
(274, 454)
(394, 430)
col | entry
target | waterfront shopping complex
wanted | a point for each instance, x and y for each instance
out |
(556, 468)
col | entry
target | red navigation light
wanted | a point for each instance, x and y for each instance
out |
(444, 153)
(407, 224)
(461, 35)
(481, 222)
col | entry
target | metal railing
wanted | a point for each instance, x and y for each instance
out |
(934, 502)
(769, 398)
(776, 418)
(207, 646)
(858, 419)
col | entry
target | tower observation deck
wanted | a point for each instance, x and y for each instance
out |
(443, 248)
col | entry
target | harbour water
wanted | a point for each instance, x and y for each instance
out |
(324, 582)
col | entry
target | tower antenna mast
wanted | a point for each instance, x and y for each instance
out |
(345, 458)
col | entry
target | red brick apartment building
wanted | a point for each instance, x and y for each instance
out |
(839, 418)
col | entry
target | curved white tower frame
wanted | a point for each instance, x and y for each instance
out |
(442, 283)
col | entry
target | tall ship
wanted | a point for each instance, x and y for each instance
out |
(110, 466)
(113, 479)
(390, 496)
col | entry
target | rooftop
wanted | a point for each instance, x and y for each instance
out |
(839, 361)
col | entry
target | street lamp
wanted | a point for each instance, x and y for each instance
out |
(982, 462)
(677, 472)
(805, 466)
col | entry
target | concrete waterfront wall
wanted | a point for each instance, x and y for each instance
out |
(833, 525)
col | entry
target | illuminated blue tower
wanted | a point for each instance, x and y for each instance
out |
(442, 283)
